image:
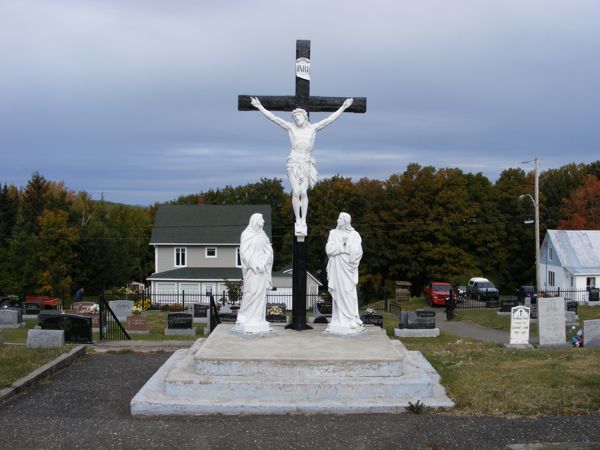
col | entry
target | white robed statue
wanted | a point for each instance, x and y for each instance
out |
(257, 261)
(344, 250)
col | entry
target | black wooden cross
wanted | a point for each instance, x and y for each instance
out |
(303, 100)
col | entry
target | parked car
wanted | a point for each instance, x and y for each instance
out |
(522, 292)
(437, 292)
(482, 289)
(10, 301)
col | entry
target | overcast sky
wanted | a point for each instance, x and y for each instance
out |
(137, 100)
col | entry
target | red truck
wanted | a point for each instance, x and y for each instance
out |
(41, 302)
(437, 292)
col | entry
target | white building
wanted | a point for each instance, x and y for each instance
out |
(570, 260)
(196, 249)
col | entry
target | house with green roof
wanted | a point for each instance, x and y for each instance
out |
(197, 248)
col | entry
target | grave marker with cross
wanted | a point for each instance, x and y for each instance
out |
(303, 100)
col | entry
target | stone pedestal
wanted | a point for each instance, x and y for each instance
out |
(290, 372)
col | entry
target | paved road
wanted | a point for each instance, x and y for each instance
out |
(86, 405)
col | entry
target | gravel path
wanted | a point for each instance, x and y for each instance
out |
(86, 405)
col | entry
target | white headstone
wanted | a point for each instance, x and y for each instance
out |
(519, 325)
(551, 321)
(121, 308)
(45, 338)
(591, 333)
(9, 318)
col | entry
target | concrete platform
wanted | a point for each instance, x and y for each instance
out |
(290, 372)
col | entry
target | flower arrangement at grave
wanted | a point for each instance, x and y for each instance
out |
(275, 311)
(141, 305)
(93, 309)
(370, 312)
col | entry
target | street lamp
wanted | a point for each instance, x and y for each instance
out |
(536, 205)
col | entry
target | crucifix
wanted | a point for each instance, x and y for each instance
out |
(301, 164)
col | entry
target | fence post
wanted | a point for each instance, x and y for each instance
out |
(183, 300)
(101, 312)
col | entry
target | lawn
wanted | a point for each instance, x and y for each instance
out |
(487, 378)
(481, 378)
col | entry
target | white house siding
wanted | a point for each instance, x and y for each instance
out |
(195, 257)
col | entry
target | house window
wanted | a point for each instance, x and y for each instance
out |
(590, 282)
(210, 252)
(549, 253)
(551, 279)
(180, 257)
(571, 280)
(238, 258)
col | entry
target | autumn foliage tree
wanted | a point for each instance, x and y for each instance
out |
(581, 211)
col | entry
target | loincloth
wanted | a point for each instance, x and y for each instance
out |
(301, 167)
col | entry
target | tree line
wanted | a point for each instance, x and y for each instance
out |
(421, 225)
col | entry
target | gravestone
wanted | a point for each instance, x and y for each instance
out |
(82, 307)
(48, 313)
(323, 308)
(551, 322)
(76, 328)
(137, 324)
(200, 312)
(519, 327)
(121, 308)
(227, 314)
(11, 318)
(372, 319)
(591, 333)
(420, 319)
(507, 305)
(32, 308)
(275, 313)
(37, 338)
(180, 324)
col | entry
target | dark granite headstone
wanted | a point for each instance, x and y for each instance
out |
(323, 309)
(180, 321)
(533, 312)
(571, 306)
(420, 319)
(48, 313)
(200, 310)
(33, 308)
(507, 305)
(372, 319)
(321, 319)
(77, 328)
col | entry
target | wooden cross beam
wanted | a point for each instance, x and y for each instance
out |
(302, 99)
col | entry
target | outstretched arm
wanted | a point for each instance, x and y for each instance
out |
(268, 114)
(323, 123)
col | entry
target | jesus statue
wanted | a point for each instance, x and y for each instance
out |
(301, 163)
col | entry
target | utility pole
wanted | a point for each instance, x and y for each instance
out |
(538, 275)
(536, 204)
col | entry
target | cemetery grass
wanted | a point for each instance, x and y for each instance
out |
(16, 361)
(488, 379)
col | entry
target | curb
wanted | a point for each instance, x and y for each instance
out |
(41, 372)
